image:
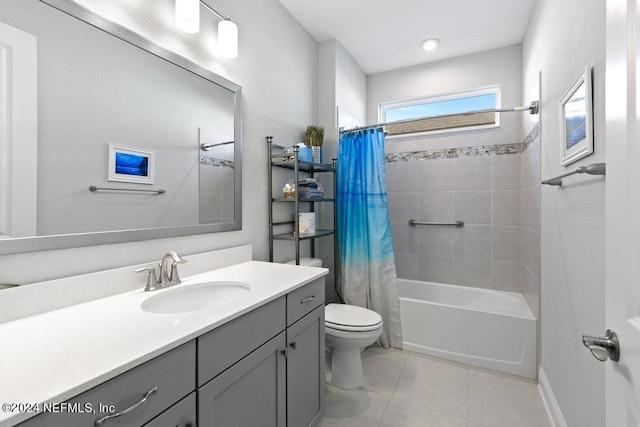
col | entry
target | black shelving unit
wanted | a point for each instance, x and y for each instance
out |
(287, 229)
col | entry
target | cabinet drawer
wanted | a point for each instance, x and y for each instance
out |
(172, 374)
(225, 345)
(182, 414)
(302, 300)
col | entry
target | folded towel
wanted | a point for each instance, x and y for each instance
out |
(308, 185)
(307, 180)
(310, 193)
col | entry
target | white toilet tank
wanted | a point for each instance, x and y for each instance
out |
(308, 262)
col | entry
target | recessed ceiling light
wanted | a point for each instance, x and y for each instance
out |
(430, 44)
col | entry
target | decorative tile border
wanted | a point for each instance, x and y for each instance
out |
(216, 162)
(481, 150)
(452, 153)
(535, 133)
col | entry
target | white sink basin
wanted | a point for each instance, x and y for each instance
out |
(198, 296)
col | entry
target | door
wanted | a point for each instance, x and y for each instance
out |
(623, 210)
(249, 393)
(18, 132)
(305, 370)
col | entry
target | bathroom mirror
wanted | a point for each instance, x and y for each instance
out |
(122, 115)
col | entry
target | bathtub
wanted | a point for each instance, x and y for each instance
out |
(480, 327)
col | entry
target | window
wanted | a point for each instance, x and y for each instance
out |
(420, 116)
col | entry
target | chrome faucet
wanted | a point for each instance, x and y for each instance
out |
(172, 278)
(166, 278)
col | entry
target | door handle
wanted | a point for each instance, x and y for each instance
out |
(603, 348)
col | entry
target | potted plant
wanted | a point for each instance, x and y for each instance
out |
(314, 139)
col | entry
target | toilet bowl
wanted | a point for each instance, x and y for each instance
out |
(348, 330)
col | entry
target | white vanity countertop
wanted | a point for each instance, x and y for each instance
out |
(54, 356)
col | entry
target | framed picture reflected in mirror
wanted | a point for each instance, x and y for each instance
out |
(576, 119)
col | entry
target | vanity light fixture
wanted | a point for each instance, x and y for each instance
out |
(188, 20)
(430, 44)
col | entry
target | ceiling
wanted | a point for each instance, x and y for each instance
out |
(383, 35)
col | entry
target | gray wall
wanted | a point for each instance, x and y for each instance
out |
(561, 39)
(341, 103)
(278, 99)
(479, 187)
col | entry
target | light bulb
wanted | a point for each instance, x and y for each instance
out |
(228, 39)
(430, 44)
(188, 15)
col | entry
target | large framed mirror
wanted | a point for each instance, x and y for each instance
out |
(158, 137)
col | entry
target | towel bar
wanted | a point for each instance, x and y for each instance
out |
(593, 169)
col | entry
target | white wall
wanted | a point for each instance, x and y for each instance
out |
(497, 66)
(277, 69)
(561, 39)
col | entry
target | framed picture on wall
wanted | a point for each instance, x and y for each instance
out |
(576, 119)
(129, 164)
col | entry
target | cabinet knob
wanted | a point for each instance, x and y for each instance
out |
(293, 344)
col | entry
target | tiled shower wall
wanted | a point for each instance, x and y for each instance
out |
(216, 204)
(531, 210)
(480, 186)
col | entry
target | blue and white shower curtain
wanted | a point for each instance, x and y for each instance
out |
(364, 231)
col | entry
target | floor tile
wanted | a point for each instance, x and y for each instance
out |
(353, 408)
(497, 399)
(435, 384)
(382, 369)
(403, 414)
(405, 389)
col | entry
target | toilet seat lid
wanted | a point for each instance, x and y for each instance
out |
(350, 317)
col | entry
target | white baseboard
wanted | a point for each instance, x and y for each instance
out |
(553, 409)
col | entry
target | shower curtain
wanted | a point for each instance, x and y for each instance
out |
(364, 231)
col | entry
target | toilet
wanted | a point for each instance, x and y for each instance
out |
(348, 330)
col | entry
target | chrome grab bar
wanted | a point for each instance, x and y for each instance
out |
(458, 223)
(593, 169)
(93, 188)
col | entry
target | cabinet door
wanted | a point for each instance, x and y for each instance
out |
(305, 370)
(250, 393)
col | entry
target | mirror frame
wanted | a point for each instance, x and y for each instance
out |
(65, 241)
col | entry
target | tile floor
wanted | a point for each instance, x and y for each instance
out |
(404, 389)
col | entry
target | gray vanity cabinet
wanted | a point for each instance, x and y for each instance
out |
(264, 368)
(281, 382)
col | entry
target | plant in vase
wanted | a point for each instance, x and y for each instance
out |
(314, 139)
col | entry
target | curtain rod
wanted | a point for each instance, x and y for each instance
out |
(533, 108)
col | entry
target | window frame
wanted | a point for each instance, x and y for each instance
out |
(383, 107)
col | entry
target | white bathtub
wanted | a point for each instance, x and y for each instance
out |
(490, 329)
